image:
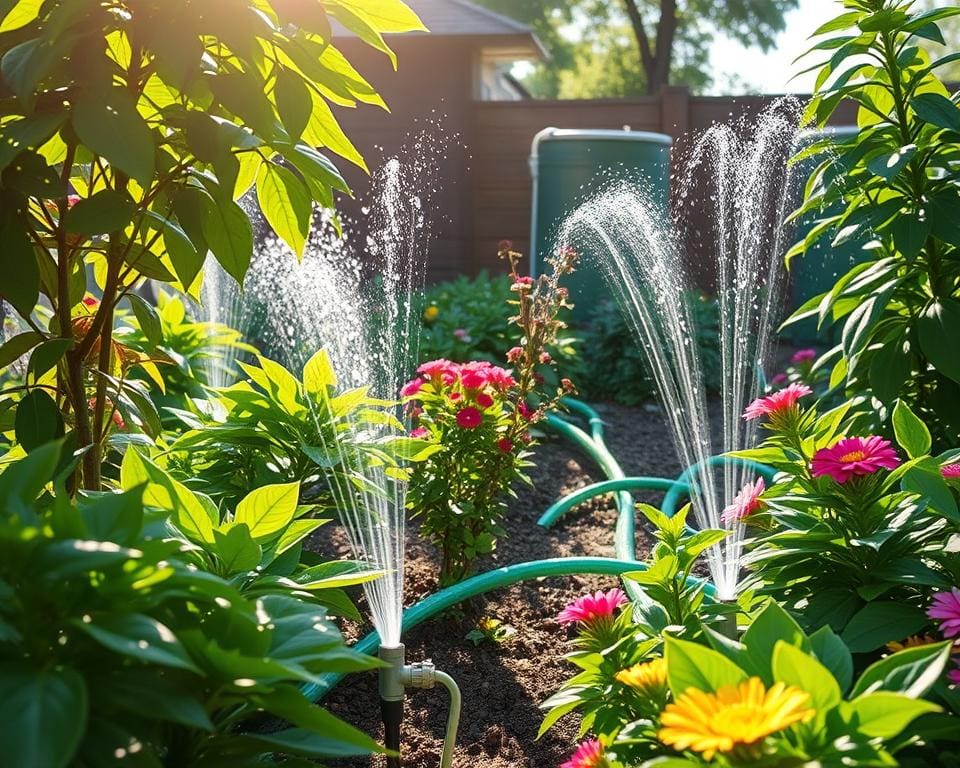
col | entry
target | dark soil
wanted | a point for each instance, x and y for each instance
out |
(503, 684)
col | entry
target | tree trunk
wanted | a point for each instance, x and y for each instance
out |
(657, 58)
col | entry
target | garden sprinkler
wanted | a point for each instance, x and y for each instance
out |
(398, 676)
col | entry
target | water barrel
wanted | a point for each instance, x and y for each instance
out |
(569, 164)
(818, 269)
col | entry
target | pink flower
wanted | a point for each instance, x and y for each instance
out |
(473, 379)
(803, 356)
(505, 444)
(462, 334)
(524, 410)
(590, 608)
(777, 403)
(946, 607)
(440, 370)
(411, 387)
(484, 400)
(469, 418)
(950, 471)
(778, 379)
(588, 755)
(954, 676)
(420, 432)
(90, 301)
(505, 245)
(545, 357)
(746, 503)
(514, 354)
(853, 456)
(522, 284)
(454, 396)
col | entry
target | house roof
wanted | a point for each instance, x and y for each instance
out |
(452, 18)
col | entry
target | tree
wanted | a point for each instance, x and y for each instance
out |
(628, 47)
(128, 131)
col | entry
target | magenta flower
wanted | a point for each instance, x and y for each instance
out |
(484, 400)
(946, 607)
(588, 755)
(803, 356)
(473, 379)
(950, 471)
(469, 418)
(522, 284)
(442, 370)
(954, 676)
(854, 456)
(462, 334)
(777, 403)
(419, 432)
(591, 608)
(505, 444)
(778, 379)
(411, 387)
(514, 354)
(746, 503)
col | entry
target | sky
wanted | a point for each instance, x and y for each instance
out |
(770, 72)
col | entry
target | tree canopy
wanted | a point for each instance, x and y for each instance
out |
(601, 48)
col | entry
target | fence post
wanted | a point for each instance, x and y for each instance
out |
(674, 110)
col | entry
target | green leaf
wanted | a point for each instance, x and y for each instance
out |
(147, 318)
(38, 420)
(237, 550)
(30, 174)
(228, 233)
(937, 110)
(286, 204)
(294, 103)
(771, 626)
(116, 517)
(936, 327)
(269, 509)
(18, 346)
(140, 637)
(878, 623)
(888, 166)
(889, 369)
(929, 483)
(912, 434)
(318, 373)
(108, 122)
(911, 672)
(833, 654)
(794, 667)
(29, 132)
(47, 355)
(19, 273)
(884, 715)
(106, 211)
(22, 481)
(694, 666)
(43, 715)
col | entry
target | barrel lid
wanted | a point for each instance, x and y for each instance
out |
(603, 134)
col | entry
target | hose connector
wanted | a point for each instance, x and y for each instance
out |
(423, 674)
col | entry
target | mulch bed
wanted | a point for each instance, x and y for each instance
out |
(503, 684)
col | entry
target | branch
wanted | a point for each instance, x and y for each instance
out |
(636, 21)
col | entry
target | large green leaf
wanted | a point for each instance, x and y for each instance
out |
(227, 231)
(880, 622)
(268, 510)
(695, 666)
(937, 110)
(794, 667)
(19, 273)
(38, 420)
(43, 715)
(294, 102)
(286, 205)
(114, 516)
(106, 211)
(13, 349)
(771, 626)
(912, 434)
(140, 637)
(912, 671)
(938, 325)
(884, 715)
(110, 125)
(833, 653)
(237, 550)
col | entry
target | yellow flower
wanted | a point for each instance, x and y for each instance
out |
(733, 718)
(648, 678)
(431, 313)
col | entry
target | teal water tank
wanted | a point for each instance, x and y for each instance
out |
(817, 270)
(568, 165)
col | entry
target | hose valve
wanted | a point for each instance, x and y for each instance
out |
(422, 674)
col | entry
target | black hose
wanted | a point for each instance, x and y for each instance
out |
(392, 713)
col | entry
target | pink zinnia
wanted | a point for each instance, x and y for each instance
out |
(950, 471)
(777, 403)
(411, 387)
(419, 432)
(803, 356)
(469, 418)
(946, 607)
(524, 410)
(590, 608)
(746, 503)
(484, 400)
(778, 379)
(854, 456)
(588, 755)
(954, 676)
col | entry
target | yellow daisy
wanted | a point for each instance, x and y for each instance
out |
(733, 718)
(648, 678)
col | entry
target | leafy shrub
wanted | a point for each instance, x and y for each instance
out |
(469, 319)
(843, 540)
(115, 647)
(618, 370)
(476, 419)
(129, 132)
(893, 184)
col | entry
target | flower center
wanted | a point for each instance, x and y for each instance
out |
(853, 456)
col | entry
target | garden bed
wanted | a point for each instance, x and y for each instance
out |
(503, 684)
